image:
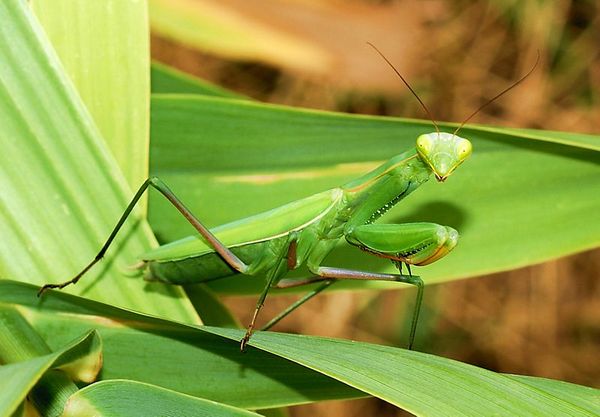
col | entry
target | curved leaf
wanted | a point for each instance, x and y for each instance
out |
(17, 379)
(166, 354)
(423, 384)
(129, 398)
(62, 190)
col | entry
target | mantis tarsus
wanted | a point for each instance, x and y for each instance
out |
(307, 230)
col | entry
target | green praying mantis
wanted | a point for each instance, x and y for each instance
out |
(305, 231)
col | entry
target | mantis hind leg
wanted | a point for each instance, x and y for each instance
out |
(160, 186)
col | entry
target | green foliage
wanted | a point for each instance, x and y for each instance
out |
(281, 369)
(18, 379)
(62, 188)
(103, 61)
(62, 191)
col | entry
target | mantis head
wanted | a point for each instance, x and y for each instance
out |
(443, 152)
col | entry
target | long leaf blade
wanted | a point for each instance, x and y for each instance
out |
(104, 47)
(183, 359)
(129, 398)
(424, 384)
(62, 191)
(17, 379)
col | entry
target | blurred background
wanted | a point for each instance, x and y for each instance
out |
(542, 320)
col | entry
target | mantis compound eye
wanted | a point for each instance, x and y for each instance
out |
(464, 149)
(424, 143)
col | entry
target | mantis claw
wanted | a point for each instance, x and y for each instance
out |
(44, 288)
(52, 286)
(245, 340)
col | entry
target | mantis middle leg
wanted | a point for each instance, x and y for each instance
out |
(285, 261)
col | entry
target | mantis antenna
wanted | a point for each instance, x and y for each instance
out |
(497, 96)
(437, 129)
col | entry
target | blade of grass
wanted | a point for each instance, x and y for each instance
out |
(104, 48)
(118, 398)
(166, 354)
(424, 384)
(18, 379)
(62, 191)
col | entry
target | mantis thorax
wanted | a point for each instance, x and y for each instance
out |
(372, 195)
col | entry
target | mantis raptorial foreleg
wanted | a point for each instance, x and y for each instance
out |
(410, 243)
(154, 182)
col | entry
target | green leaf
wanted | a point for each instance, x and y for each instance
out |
(166, 79)
(18, 379)
(524, 197)
(166, 354)
(104, 47)
(423, 384)
(129, 398)
(586, 398)
(62, 190)
(19, 341)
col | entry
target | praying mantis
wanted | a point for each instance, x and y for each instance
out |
(305, 231)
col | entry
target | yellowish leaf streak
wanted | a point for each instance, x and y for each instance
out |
(270, 178)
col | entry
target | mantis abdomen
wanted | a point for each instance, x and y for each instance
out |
(210, 266)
